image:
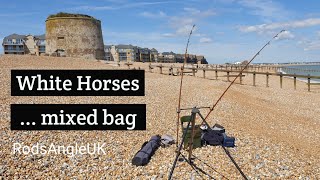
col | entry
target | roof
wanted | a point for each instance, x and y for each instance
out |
(144, 50)
(124, 46)
(41, 37)
(153, 50)
(192, 56)
(180, 56)
(14, 36)
(168, 53)
(199, 57)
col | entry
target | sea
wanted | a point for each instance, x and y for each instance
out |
(312, 70)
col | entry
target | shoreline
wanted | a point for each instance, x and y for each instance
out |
(300, 79)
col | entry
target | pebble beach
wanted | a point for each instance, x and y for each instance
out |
(277, 130)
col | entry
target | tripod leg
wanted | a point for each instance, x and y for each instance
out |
(234, 162)
(179, 151)
(193, 119)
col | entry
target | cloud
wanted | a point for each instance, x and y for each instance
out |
(93, 8)
(182, 24)
(160, 14)
(185, 30)
(205, 40)
(310, 45)
(18, 14)
(313, 45)
(168, 35)
(281, 25)
(192, 10)
(267, 9)
(207, 13)
(285, 35)
(131, 37)
(123, 5)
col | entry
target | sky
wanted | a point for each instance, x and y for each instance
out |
(225, 30)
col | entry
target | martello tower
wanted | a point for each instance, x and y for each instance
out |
(76, 35)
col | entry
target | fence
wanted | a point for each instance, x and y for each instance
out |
(236, 69)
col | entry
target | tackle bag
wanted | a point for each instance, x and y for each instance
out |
(212, 138)
(228, 141)
(143, 156)
(217, 136)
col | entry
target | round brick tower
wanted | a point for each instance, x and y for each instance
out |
(75, 35)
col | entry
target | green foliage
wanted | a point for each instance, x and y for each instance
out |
(63, 14)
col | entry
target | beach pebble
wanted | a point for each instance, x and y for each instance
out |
(276, 129)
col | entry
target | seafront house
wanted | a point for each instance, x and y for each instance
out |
(167, 57)
(153, 55)
(14, 44)
(179, 58)
(147, 55)
(41, 44)
(144, 54)
(126, 52)
(191, 58)
(129, 53)
(24, 44)
(121, 52)
(107, 52)
(201, 60)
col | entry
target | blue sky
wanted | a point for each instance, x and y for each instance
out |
(226, 30)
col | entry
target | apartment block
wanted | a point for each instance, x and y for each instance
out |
(167, 57)
(191, 58)
(153, 55)
(24, 44)
(14, 44)
(129, 53)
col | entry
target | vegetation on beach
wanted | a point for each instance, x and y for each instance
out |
(64, 14)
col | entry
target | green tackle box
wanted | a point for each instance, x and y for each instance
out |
(197, 136)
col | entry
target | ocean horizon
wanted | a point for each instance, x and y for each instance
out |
(312, 70)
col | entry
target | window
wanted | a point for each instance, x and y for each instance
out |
(60, 37)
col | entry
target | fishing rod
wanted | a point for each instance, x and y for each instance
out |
(180, 91)
(215, 104)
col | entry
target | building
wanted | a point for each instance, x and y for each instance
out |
(41, 44)
(147, 55)
(24, 44)
(126, 53)
(76, 35)
(191, 58)
(153, 55)
(144, 54)
(14, 44)
(121, 52)
(107, 53)
(129, 53)
(201, 60)
(167, 57)
(179, 58)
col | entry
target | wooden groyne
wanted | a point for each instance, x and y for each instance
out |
(228, 70)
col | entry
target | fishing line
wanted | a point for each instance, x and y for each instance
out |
(215, 104)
